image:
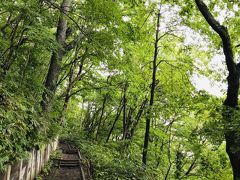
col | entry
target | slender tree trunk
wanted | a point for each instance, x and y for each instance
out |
(115, 120)
(137, 118)
(231, 103)
(124, 110)
(151, 102)
(101, 116)
(129, 122)
(71, 83)
(56, 58)
(191, 167)
(179, 157)
(67, 96)
(91, 124)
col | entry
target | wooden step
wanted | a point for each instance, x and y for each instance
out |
(66, 162)
(70, 151)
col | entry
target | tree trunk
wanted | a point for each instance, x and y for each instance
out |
(129, 122)
(115, 120)
(125, 110)
(153, 85)
(232, 148)
(56, 58)
(179, 157)
(137, 118)
(71, 83)
(101, 116)
(231, 103)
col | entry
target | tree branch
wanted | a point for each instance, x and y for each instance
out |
(222, 32)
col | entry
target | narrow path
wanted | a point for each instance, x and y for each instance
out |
(69, 166)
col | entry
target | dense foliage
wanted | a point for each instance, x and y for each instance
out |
(96, 71)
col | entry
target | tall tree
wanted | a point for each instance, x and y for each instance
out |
(56, 58)
(153, 86)
(231, 101)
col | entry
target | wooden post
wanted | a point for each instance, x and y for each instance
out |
(15, 171)
(33, 168)
(9, 172)
(47, 155)
(29, 166)
(3, 175)
(38, 156)
(22, 170)
(42, 152)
